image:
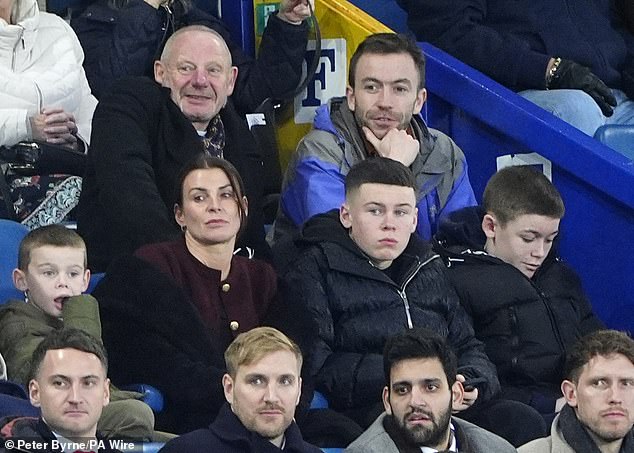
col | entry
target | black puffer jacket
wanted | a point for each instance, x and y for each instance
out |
(526, 324)
(356, 307)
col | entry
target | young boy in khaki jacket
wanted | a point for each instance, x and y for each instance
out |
(52, 274)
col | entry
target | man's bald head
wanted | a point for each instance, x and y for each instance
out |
(196, 66)
(173, 40)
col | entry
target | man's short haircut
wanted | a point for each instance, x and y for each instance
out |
(599, 343)
(520, 190)
(250, 347)
(379, 170)
(387, 44)
(52, 235)
(67, 338)
(419, 343)
(169, 44)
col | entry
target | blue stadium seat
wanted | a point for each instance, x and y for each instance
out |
(152, 447)
(619, 137)
(151, 395)
(15, 401)
(319, 401)
(387, 12)
(11, 234)
(94, 280)
(145, 447)
(332, 450)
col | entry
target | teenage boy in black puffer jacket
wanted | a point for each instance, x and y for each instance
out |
(527, 306)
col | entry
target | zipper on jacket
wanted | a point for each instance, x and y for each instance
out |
(401, 290)
(15, 48)
(551, 316)
(410, 324)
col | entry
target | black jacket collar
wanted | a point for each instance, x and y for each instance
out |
(230, 429)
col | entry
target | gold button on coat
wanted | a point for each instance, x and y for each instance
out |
(226, 287)
(234, 325)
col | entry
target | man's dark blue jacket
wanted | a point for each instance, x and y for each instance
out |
(512, 41)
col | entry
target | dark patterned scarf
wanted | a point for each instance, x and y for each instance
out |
(214, 140)
(578, 438)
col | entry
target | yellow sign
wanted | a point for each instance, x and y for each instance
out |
(343, 26)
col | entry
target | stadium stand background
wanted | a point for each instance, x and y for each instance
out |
(488, 122)
(494, 126)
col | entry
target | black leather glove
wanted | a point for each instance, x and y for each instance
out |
(574, 76)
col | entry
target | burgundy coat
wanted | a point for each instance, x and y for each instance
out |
(167, 320)
(228, 307)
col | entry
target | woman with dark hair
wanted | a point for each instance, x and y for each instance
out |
(169, 312)
(125, 37)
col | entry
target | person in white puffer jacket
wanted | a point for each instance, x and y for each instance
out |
(44, 94)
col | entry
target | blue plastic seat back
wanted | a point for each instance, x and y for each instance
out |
(388, 12)
(617, 136)
(94, 280)
(319, 401)
(11, 234)
(151, 395)
(152, 447)
(145, 447)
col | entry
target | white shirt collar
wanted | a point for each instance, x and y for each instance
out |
(453, 446)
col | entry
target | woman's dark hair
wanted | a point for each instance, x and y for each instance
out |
(205, 161)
